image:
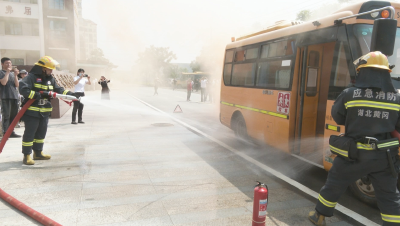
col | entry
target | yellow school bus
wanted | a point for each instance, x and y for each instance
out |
(278, 85)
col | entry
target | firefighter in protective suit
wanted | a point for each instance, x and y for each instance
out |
(37, 115)
(370, 111)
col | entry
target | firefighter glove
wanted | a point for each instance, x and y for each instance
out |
(45, 94)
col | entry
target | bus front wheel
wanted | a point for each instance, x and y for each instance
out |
(240, 127)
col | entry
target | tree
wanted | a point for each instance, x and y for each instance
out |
(303, 15)
(175, 71)
(195, 65)
(97, 56)
(154, 61)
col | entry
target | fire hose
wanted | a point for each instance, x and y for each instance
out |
(8, 198)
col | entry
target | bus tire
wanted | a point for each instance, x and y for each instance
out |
(240, 128)
(364, 191)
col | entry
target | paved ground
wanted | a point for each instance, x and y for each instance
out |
(129, 165)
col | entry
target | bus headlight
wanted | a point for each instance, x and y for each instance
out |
(374, 14)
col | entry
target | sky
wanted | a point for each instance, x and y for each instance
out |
(127, 27)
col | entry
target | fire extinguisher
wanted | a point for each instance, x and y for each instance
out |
(260, 204)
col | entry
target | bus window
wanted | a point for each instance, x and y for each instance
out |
(274, 74)
(363, 33)
(239, 56)
(283, 48)
(340, 78)
(251, 53)
(264, 51)
(312, 74)
(244, 74)
(229, 56)
(227, 74)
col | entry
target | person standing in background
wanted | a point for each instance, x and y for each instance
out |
(21, 75)
(156, 81)
(174, 84)
(189, 89)
(105, 91)
(203, 89)
(9, 94)
(79, 82)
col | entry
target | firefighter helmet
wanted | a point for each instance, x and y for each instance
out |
(47, 62)
(373, 59)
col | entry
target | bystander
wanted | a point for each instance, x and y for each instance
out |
(79, 82)
(203, 89)
(105, 91)
(189, 88)
(22, 74)
(9, 94)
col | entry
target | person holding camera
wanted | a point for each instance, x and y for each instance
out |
(79, 81)
(9, 94)
(105, 91)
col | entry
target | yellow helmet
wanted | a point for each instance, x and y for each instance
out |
(373, 59)
(47, 62)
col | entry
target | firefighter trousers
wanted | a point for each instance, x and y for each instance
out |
(34, 134)
(343, 173)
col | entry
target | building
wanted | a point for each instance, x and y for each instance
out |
(87, 34)
(30, 29)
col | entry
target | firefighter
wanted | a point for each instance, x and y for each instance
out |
(370, 111)
(37, 115)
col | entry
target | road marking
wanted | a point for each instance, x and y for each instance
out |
(340, 208)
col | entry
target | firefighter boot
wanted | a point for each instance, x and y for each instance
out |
(316, 218)
(28, 160)
(38, 155)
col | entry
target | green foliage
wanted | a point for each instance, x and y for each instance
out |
(195, 65)
(154, 61)
(303, 15)
(175, 71)
(97, 56)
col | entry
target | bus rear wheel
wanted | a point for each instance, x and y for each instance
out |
(240, 128)
(364, 191)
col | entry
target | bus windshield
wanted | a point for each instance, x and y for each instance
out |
(363, 34)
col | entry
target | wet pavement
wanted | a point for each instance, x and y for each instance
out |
(130, 165)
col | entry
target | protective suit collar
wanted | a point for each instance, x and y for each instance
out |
(38, 70)
(375, 78)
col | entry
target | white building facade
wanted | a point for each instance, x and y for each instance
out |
(30, 29)
(21, 31)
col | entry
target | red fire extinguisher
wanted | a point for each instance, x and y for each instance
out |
(260, 204)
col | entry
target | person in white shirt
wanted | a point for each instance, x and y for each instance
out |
(79, 82)
(203, 89)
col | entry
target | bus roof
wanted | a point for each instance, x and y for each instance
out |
(195, 73)
(328, 21)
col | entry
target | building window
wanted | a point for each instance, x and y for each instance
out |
(17, 61)
(13, 28)
(58, 28)
(56, 4)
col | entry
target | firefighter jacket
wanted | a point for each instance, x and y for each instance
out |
(31, 85)
(367, 112)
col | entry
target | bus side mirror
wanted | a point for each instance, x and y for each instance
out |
(384, 36)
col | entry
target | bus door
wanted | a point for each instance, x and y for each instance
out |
(308, 96)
